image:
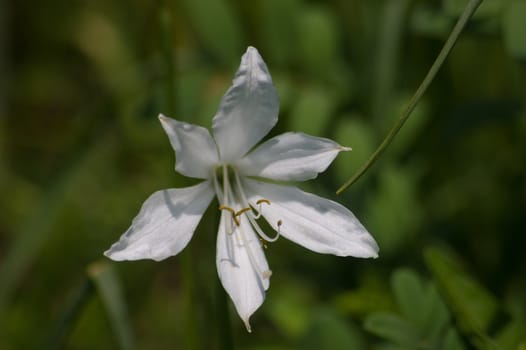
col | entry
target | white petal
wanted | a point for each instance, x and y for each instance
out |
(195, 150)
(243, 271)
(316, 223)
(290, 157)
(165, 224)
(248, 110)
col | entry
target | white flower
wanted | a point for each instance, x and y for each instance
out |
(235, 174)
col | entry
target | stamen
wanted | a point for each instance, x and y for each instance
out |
(263, 243)
(217, 188)
(264, 274)
(259, 231)
(227, 208)
(232, 211)
(251, 217)
(258, 203)
(239, 212)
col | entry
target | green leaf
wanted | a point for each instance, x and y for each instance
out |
(372, 295)
(329, 331)
(452, 341)
(420, 303)
(514, 30)
(391, 327)
(109, 290)
(511, 335)
(437, 314)
(472, 305)
(410, 295)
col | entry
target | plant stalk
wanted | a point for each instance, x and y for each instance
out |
(470, 9)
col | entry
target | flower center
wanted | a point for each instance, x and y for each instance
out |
(234, 204)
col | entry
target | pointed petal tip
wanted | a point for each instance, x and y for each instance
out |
(374, 254)
(251, 49)
(375, 251)
(110, 255)
(113, 254)
(246, 321)
(252, 55)
(345, 149)
(373, 248)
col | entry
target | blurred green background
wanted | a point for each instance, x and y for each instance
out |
(82, 83)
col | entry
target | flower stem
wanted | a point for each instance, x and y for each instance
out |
(446, 49)
(190, 321)
(166, 35)
(224, 328)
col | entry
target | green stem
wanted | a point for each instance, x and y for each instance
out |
(190, 320)
(448, 46)
(68, 319)
(224, 328)
(166, 35)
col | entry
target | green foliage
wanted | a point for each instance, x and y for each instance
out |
(422, 321)
(81, 148)
(398, 225)
(474, 308)
(473, 305)
(329, 331)
(291, 310)
(109, 290)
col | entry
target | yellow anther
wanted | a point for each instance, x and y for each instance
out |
(242, 211)
(232, 211)
(224, 207)
(258, 203)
